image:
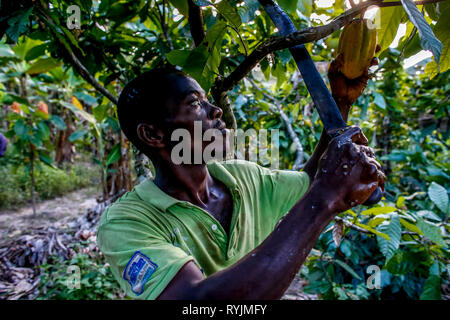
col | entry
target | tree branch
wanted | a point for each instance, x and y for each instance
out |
(306, 35)
(75, 62)
(278, 43)
(352, 226)
(196, 23)
(162, 16)
(398, 3)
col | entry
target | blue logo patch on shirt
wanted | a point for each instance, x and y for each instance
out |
(138, 271)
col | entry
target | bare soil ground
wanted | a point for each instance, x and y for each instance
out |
(64, 209)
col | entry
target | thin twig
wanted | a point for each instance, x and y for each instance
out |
(300, 154)
(75, 62)
(352, 226)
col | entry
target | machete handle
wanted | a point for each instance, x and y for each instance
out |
(376, 196)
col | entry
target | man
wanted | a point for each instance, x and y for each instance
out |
(3, 145)
(223, 230)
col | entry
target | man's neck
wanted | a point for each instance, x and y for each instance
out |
(185, 182)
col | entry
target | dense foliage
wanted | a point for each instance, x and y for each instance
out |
(77, 74)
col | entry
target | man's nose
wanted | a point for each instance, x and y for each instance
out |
(215, 112)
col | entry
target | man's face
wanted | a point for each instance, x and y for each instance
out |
(190, 110)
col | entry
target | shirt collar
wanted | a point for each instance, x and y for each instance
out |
(149, 192)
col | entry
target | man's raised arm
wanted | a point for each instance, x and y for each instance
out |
(348, 174)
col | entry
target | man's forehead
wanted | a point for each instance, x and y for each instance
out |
(183, 86)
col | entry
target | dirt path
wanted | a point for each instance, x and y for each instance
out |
(62, 209)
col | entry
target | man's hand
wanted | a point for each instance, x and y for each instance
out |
(348, 171)
(347, 91)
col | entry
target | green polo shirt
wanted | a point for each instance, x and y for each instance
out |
(147, 236)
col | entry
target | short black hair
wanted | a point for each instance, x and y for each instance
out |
(143, 100)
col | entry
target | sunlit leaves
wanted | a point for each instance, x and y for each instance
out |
(427, 38)
(390, 18)
(431, 231)
(439, 196)
(43, 65)
(394, 231)
(442, 32)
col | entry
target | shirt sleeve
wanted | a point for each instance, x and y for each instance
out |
(142, 258)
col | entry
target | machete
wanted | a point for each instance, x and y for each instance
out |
(328, 111)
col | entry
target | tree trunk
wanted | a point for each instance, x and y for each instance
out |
(65, 150)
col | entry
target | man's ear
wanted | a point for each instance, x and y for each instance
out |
(150, 135)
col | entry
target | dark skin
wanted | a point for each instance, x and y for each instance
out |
(347, 175)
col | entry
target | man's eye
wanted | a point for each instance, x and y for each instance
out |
(195, 103)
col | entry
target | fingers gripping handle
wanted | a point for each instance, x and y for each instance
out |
(376, 196)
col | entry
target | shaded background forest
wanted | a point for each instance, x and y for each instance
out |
(58, 91)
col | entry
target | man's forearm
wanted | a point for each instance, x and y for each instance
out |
(311, 166)
(267, 271)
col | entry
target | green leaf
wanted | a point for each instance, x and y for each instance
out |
(82, 114)
(390, 20)
(43, 65)
(431, 10)
(19, 23)
(305, 6)
(24, 45)
(288, 5)
(46, 159)
(182, 6)
(58, 122)
(21, 129)
(202, 3)
(347, 268)
(429, 215)
(439, 196)
(229, 13)
(113, 155)
(45, 131)
(36, 52)
(379, 210)
(409, 226)
(431, 288)
(77, 135)
(247, 10)
(178, 57)
(394, 231)
(427, 38)
(379, 100)
(431, 231)
(372, 230)
(6, 51)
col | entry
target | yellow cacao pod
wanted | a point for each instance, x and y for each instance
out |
(357, 45)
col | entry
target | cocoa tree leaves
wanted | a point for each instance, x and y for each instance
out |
(427, 38)
(394, 230)
(390, 21)
(439, 196)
